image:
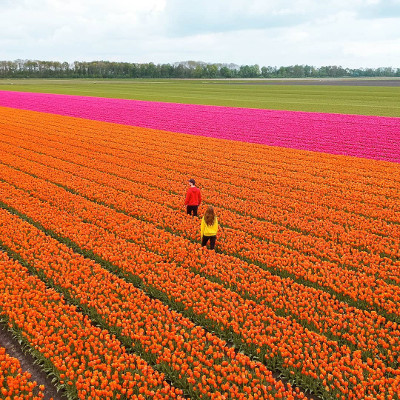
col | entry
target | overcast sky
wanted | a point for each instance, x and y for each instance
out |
(350, 33)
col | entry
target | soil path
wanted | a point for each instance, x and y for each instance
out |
(13, 348)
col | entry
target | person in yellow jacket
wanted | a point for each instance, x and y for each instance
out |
(209, 228)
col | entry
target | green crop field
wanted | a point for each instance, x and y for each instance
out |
(367, 100)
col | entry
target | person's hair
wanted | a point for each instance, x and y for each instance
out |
(209, 216)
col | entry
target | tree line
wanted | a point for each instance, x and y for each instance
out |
(187, 69)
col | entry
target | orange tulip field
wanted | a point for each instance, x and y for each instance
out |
(104, 281)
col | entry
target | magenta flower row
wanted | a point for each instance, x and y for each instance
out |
(351, 135)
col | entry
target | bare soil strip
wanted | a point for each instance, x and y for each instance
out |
(14, 349)
(317, 82)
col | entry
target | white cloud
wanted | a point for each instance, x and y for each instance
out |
(266, 32)
(382, 48)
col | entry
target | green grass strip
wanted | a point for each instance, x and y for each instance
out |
(361, 100)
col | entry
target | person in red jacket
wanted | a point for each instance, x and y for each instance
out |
(193, 198)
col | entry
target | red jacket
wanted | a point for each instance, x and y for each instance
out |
(193, 197)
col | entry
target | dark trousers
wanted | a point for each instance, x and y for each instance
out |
(212, 241)
(191, 209)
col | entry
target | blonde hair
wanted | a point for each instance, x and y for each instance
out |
(209, 216)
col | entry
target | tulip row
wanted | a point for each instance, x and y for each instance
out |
(192, 358)
(320, 310)
(381, 267)
(16, 384)
(256, 328)
(356, 135)
(275, 164)
(361, 286)
(290, 218)
(87, 361)
(264, 236)
(354, 259)
(335, 224)
(126, 139)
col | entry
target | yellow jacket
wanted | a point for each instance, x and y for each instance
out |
(207, 230)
